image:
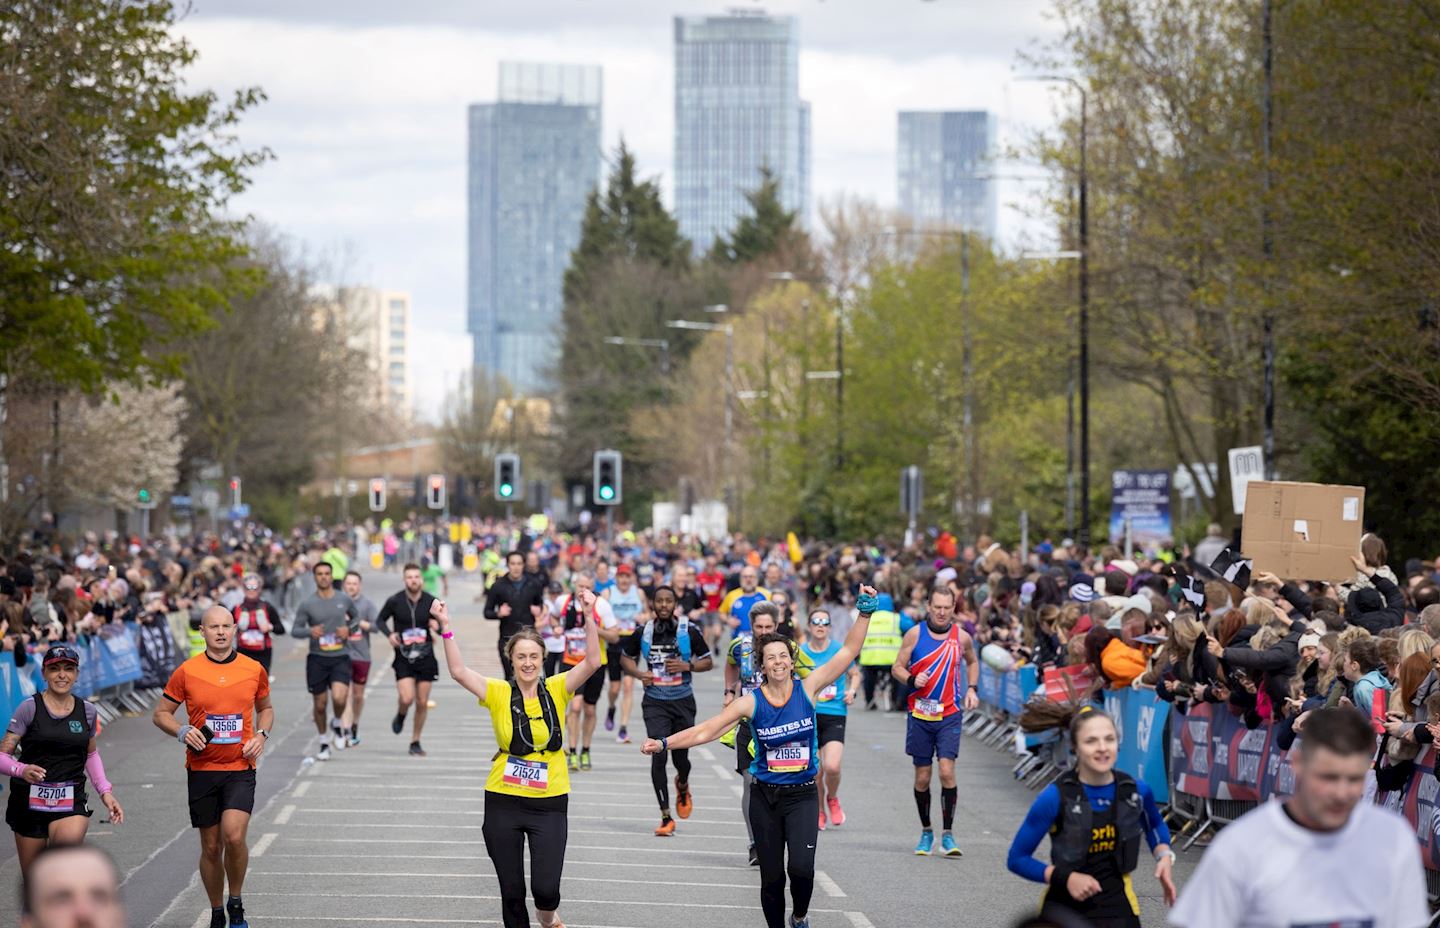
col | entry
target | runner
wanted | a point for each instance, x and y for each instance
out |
(227, 699)
(72, 885)
(527, 793)
(667, 648)
(328, 618)
(1318, 832)
(255, 619)
(627, 602)
(937, 661)
(403, 621)
(784, 804)
(735, 607)
(515, 600)
(830, 710)
(436, 583)
(1095, 816)
(55, 733)
(576, 648)
(712, 587)
(358, 647)
(743, 677)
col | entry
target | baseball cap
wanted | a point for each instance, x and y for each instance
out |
(60, 654)
(625, 569)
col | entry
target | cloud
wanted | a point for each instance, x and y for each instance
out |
(366, 110)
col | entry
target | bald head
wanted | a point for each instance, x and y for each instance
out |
(218, 627)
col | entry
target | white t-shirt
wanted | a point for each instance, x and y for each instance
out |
(1265, 871)
(602, 609)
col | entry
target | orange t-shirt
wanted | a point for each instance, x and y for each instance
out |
(221, 695)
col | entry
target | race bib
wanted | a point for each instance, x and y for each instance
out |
(331, 643)
(252, 639)
(412, 636)
(827, 694)
(528, 774)
(661, 677)
(52, 797)
(788, 758)
(626, 626)
(929, 710)
(227, 728)
(575, 643)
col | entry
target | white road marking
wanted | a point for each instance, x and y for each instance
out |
(471, 876)
(738, 790)
(827, 885)
(705, 752)
(472, 859)
(202, 920)
(724, 771)
(284, 815)
(263, 844)
(668, 849)
(303, 788)
(859, 920)
(480, 898)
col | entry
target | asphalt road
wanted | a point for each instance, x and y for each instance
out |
(376, 837)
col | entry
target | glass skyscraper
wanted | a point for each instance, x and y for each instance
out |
(943, 163)
(737, 110)
(534, 157)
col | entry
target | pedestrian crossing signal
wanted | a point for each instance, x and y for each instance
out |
(608, 465)
(435, 491)
(507, 476)
(377, 494)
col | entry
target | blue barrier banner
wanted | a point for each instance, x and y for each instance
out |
(87, 681)
(1140, 719)
(1016, 688)
(119, 659)
(989, 688)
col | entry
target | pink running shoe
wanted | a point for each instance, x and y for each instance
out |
(837, 814)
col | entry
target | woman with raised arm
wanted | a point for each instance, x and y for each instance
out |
(784, 803)
(528, 790)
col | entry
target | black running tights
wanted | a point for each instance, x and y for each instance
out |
(785, 819)
(509, 820)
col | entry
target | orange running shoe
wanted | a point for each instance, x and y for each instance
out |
(684, 805)
(666, 829)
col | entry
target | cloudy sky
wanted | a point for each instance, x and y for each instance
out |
(366, 112)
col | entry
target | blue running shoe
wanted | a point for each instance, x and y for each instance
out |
(948, 845)
(927, 843)
(799, 922)
(236, 911)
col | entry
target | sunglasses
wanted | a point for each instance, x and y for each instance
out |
(819, 621)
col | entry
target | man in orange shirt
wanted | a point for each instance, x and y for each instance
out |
(223, 692)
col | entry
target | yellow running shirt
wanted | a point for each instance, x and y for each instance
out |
(537, 775)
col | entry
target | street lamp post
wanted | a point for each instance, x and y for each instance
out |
(729, 331)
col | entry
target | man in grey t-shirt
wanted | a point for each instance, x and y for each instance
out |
(328, 618)
(359, 650)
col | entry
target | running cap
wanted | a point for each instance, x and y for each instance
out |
(61, 654)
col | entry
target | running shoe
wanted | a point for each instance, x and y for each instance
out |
(324, 752)
(822, 819)
(610, 719)
(236, 911)
(754, 857)
(217, 917)
(799, 922)
(624, 736)
(338, 739)
(927, 843)
(397, 724)
(684, 804)
(585, 759)
(416, 750)
(666, 829)
(948, 845)
(354, 740)
(837, 814)
(574, 761)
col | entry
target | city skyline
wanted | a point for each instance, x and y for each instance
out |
(945, 169)
(371, 145)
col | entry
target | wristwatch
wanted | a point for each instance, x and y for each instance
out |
(263, 733)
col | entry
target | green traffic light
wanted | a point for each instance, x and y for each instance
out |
(144, 496)
(607, 492)
(506, 489)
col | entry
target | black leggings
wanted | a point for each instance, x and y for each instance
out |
(508, 820)
(785, 818)
(663, 718)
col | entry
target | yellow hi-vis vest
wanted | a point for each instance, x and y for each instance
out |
(882, 640)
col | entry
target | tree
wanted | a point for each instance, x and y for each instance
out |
(115, 174)
(766, 229)
(117, 446)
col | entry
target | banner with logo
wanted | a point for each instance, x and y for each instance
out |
(988, 689)
(1419, 807)
(1142, 498)
(1140, 719)
(1016, 687)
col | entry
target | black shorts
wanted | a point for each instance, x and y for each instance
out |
(614, 670)
(665, 717)
(31, 824)
(322, 671)
(213, 792)
(829, 728)
(424, 668)
(593, 687)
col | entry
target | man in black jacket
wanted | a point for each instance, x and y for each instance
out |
(515, 601)
(1375, 609)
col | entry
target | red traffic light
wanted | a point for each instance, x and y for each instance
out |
(437, 482)
(377, 485)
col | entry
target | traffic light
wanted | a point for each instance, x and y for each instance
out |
(608, 466)
(144, 499)
(234, 492)
(507, 477)
(435, 491)
(377, 494)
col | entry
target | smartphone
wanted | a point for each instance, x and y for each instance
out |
(207, 733)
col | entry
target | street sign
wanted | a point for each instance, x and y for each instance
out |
(237, 513)
(1246, 464)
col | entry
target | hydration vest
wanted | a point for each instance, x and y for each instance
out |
(1072, 835)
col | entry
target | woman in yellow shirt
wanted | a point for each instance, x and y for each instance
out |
(528, 789)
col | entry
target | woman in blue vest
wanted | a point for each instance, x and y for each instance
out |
(1095, 816)
(784, 803)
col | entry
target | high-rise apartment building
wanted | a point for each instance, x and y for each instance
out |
(944, 166)
(737, 110)
(375, 323)
(534, 157)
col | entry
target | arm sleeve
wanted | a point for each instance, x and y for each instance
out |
(698, 647)
(300, 628)
(630, 646)
(382, 620)
(1297, 598)
(1021, 860)
(175, 689)
(1212, 897)
(493, 598)
(1156, 832)
(24, 715)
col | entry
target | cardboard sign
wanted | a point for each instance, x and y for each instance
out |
(1303, 531)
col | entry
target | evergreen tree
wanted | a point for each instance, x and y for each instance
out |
(769, 227)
